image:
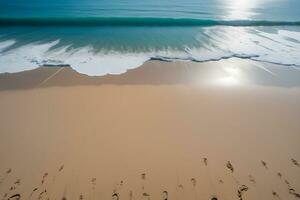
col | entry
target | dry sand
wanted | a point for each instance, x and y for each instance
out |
(158, 120)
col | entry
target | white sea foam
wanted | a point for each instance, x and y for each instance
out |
(262, 46)
(24, 58)
(85, 61)
(281, 47)
(6, 44)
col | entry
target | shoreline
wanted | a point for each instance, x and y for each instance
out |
(247, 73)
(78, 136)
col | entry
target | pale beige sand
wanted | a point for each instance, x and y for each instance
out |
(115, 132)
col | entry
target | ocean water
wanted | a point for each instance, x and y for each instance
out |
(98, 37)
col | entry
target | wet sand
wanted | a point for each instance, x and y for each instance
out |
(228, 129)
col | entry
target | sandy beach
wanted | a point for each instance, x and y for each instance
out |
(227, 129)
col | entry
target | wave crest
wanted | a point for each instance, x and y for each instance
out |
(132, 21)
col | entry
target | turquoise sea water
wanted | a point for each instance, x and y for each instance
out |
(97, 37)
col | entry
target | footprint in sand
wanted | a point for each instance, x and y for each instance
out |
(275, 194)
(115, 196)
(15, 197)
(6, 174)
(214, 198)
(81, 197)
(264, 164)
(35, 189)
(252, 180)
(165, 195)
(42, 193)
(44, 178)
(180, 186)
(15, 185)
(205, 161)
(291, 190)
(294, 193)
(18, 182)
(4, 196)
(221, 181)
(241, 191)
(194, 182)
(61, 168)
(93, 181)
(229, 166)
(130, 195)
(279, 175)
(295, 162)
(146, 195)
(143, 177)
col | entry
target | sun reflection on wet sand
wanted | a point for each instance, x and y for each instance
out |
(231, 77)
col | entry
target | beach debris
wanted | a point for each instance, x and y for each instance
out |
(64, 198)
(229, 166)
(252, 180)
(264, 164)
(165, 195)
(214, 198)
(241, 190)
(115, 196)
(205, 161)
(279, 175)
(295, 162)
(221, 181)
(15, 197)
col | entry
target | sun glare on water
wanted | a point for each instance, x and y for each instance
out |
(241, 9)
